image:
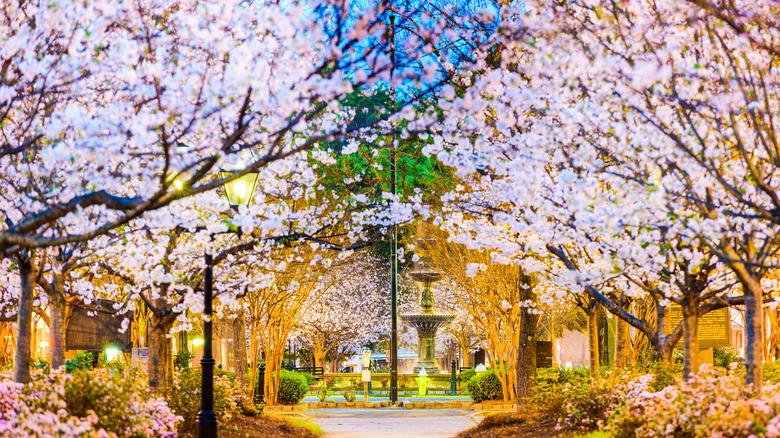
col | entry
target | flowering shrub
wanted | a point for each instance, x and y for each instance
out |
(184, 397)
(772, 371)
(552, 386)
(87, 404)
(588, 405)
(713, 403)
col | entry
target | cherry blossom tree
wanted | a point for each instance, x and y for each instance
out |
(111, 110)
(351, 313)
(655, 110)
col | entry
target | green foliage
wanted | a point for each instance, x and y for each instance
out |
(116, 366)
(41, 364)
(349, 395)
(183, 397)
(552, 386)
(772, 371)
(86, 393)
(466, 375)
(83, 361)
(292, 387)
(382, 383)
(589, 405)
(182, 359)
(485, 386)
(665, 375)
(724, 356)
(309, 378)
(406, 382)
(323, 393)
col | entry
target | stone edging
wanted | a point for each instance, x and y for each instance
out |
(493, 407)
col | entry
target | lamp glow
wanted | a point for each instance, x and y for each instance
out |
(112, 354)
(197, 342)
(241, 190)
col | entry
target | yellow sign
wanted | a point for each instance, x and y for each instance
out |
(714, 327)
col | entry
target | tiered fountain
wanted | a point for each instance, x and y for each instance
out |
(426, 322)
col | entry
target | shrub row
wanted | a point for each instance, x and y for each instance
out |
(83, 404)
(712, 403)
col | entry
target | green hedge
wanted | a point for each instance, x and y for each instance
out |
(381, 381)
(485, 386)
(293, 387)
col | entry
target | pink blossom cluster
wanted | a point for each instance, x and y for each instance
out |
(38, 409)
(712, 403)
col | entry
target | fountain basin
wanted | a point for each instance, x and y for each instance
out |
(426, 325)
(426, 321)
(425, 277)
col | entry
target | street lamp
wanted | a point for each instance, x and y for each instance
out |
(239, 192)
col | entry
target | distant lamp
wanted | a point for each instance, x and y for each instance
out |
(178, 179)
(112, 354)
(197, 342)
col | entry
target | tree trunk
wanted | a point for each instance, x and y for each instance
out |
(593, 341)
(26, 262)
(160, 357)
(662, 345)
(239, 347)
(60, 316)
(253, 355)
(622, 344)
(753, 333)
(216, 341)
(776, 352)
(690, 341)
(526, 357)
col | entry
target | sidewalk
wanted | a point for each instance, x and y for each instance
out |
(393, 422)
(339, 399)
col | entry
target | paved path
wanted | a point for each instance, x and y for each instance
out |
(393, 422)
(441, 398)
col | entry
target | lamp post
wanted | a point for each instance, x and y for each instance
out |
(239, 192)
(393, 244)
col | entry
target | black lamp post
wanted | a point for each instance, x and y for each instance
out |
(239, 192)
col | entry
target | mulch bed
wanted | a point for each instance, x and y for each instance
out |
(514, 425)
(262, 426)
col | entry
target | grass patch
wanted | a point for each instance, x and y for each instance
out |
(306, 425)
(594, 435)
(268, 425)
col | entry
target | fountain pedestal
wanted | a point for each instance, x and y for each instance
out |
(426, 322)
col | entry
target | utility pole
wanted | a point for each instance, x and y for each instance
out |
(393, 242)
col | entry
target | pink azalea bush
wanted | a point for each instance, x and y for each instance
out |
(713, 403)
(589, 405)
(87, 404)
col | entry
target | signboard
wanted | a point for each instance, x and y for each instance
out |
(366, 376)
(93, 330)
(544, 354)
(714, 327)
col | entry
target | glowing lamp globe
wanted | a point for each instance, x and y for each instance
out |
(240, 190)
